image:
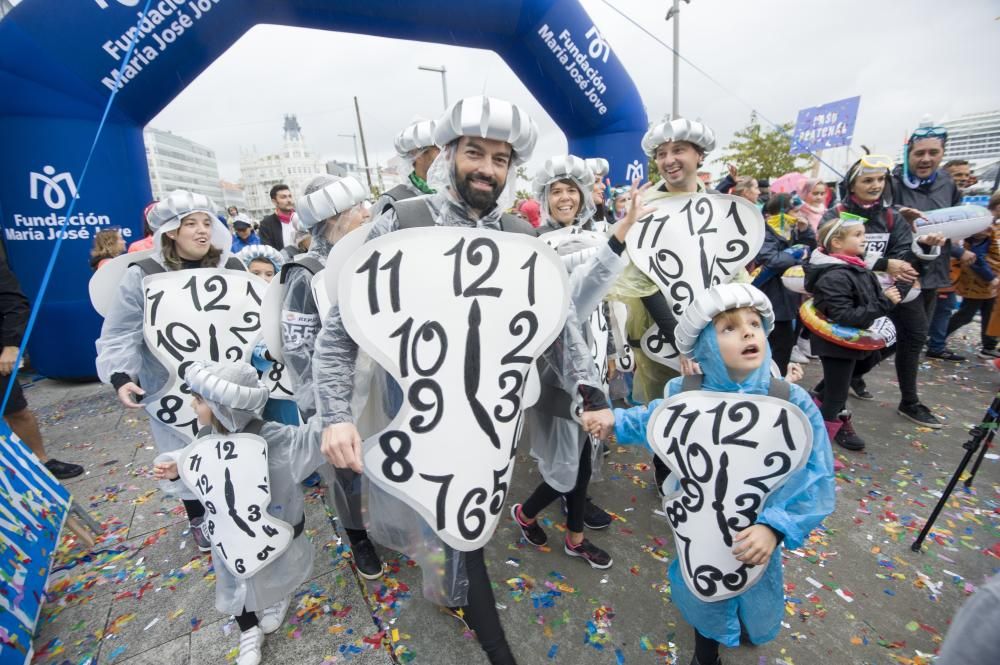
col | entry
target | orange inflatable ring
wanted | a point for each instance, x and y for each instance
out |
(846, 336)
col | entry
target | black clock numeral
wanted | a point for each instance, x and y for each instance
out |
(269, 530)
(238, 565)
(254, 513)
(264, 553)
(203, 486)
(227, 447)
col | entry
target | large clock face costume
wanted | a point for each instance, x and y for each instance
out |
(228, 473)
(729, 452)
(458, 317)
(693, 242)
(197, 314)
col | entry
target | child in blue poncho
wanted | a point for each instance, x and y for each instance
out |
(725, 331)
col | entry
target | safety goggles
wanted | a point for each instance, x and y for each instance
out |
(876, 162)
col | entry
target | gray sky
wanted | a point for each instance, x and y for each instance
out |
(905, 58)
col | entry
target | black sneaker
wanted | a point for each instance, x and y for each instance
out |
(594, 517)
(860, 390)
(533, 533)
(695, 661)
(63, 470)
(945, 354)
(846, 437)
(919, 414)
(988, 354)
(366, 559)
(199, 534)
(592, 554)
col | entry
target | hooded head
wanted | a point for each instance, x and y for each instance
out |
(231, 390)
(261, 253)
(330, 209)
(482, 142)
(203, 234)
(698, 336)
(415, 146)
(563, 187)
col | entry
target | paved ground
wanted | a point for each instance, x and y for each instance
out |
(855, 595)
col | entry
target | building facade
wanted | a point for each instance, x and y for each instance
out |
(232, 195)
(179, 163)
(295, 165)
(974, 137)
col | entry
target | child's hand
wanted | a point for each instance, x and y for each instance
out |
(755, 544)
(689, 367)
(599, 424)
(794, 373)
(892, 293)
(165, 471)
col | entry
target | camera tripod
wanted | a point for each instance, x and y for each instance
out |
(987, 429)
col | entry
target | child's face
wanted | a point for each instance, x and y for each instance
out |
(202, 410)
(742, 342)
(851, 243)
(262, 268)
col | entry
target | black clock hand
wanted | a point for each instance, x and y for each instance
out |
(472, 370)
(238, 521)
(230, 492)
(721, 485)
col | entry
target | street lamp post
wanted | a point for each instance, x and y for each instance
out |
(444, 80)
(675, 13)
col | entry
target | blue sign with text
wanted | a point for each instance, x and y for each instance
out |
(827, 126)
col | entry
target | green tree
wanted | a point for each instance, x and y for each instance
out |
(763, 154)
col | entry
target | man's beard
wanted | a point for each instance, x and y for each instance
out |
(475, 198)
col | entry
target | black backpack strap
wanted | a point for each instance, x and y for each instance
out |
(148, 266)
(233, 263)
(253, 427)
(412, 213)
(780, 389)
(310, 263)
(400, 193)
(691, 382)
(514, 224)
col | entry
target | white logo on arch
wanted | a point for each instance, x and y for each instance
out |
(56, 189)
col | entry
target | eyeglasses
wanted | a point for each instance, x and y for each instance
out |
(929, 133)
(876, 162)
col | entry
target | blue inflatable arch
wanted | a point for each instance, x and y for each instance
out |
(59, 62)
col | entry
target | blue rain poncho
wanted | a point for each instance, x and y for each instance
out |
(794, 509)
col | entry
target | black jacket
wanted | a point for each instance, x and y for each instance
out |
(845, 294)
(14, 308)
(270, 232)
(773, 258)
(942, 193)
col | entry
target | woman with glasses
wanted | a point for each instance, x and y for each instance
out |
(891, 247)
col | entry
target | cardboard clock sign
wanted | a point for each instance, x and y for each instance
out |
(229, 475)
(659, 349)
(275, 377)
(199, 314)
(728, 452)
(586, 243)
(619, 315)
(458, 317)
(695, 241)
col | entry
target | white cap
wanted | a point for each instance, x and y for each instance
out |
(680, 129)
(180, 203)
(709, 304)
(489, 118)
(598, 166)
(266, 252)
(559, 168)
(338, 196)
(417, 136)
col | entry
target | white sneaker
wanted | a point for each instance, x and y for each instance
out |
(799, 357)
(271, 618)
(251, 642)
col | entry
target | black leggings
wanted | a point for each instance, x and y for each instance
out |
(706, 650)
(481, 611)
(246, 620)
(911, 322)
(837, 376)
(193, 508)
(782, 339)
(965, 314)
(576, 499)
